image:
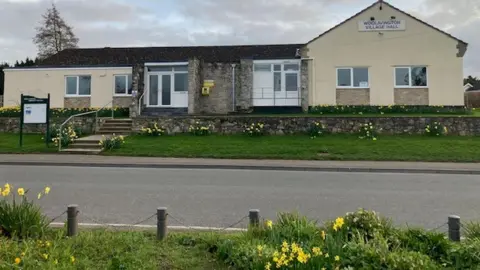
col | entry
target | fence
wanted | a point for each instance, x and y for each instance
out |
(453, 223)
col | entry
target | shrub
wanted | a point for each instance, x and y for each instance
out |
(254, 130)
(465, 255)
(368, 131)
(367, 224)
(471, 230)
(113, 142)
(153, 129)
(433, 244)
(198, 129)
(19, 216)
(68, 135)
(316, 129)
(391, 109)
(436, 129)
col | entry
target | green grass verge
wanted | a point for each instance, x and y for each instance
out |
(32, 143)
(330, 147)
(103, 249)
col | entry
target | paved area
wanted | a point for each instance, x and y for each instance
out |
(298, 165)
(221, 197)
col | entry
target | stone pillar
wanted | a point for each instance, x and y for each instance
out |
(194, 85)
(245, 80)
(304, 91)
(138, 87)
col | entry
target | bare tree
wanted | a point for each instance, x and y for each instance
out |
(54, 35)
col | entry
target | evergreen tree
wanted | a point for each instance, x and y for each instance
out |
(474, 81)
(2, 77)
(54, 35)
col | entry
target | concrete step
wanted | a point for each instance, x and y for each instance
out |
(118, 121)
(83, 145)
(122, 125)
(114, 128)
(81, 151)
(116, 132)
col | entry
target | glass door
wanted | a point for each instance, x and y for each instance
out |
(160, 90)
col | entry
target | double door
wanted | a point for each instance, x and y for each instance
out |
(160, 86)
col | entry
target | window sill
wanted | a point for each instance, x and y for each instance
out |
(77, 96)
(352, 88)
(122, 95)
(410, 87)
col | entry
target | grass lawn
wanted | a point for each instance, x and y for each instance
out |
(32, 143)
(330, 147)
(105, 249)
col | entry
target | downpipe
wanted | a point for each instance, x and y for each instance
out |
(233, 88)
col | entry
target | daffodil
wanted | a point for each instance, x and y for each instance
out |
(39, 195)
(323, 234)
(269, 224)
(21, 191)
(47, 190)
(337, 258)
(267, 266)
(18, 261)
(72, 259)
(45, 256)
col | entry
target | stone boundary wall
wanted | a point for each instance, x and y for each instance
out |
(12, 124)
(463, 126)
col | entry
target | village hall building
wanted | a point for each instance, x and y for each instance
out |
(379, 56)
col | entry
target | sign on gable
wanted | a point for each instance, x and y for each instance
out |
(381, 25)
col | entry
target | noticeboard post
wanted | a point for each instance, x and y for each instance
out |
(35, 111)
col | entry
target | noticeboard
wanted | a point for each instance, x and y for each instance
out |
(34, 111)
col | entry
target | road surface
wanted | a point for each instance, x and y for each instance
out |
(219, 198)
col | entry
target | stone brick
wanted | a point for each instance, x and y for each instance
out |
(304, 85)
(194, 85)
(76, 102)
(353, 96)
(123, 102)
(219, 101)
(245, 80)
(411, 96)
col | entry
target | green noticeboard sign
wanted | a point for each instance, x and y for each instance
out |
(35, 111)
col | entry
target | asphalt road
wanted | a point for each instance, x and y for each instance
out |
(221, 197)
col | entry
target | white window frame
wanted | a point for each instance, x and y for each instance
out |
(409, 76)
(78, 85)
(351, 78)
(126, 94)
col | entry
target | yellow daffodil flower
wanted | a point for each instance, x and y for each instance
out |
(18, 261)
(21, 191)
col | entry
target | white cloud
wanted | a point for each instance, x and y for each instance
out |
(100, 23)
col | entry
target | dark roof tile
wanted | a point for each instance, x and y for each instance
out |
(129, 56)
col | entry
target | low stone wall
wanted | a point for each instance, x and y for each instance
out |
(463, 126)
(1, 101)
(10, 124)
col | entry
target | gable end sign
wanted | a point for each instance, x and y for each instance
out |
(387, 25)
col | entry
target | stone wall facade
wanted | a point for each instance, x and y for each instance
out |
(77, 102)
(220, 99)
(122, 102)
(244, 101)
(1, 101)
(411, 96)
(304, 101)
(353, 96)
(463, 126)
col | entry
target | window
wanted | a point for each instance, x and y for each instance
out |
(181, 82)
(290, 67)
(262, 67)
(78, 85)
(352, 77)
(123, 85)
(291, 82)
(415, 76)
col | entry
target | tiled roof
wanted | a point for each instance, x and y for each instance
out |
(129, 56)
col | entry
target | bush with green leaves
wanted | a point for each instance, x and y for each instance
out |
(389, 109)
(436, 129)
(112, 142)
(14, 111)
(69, 134)
(21, 217)
(316, 129)
(199, 129)
(367, 223)
(152, 129)
(368, 131)
(255, 130)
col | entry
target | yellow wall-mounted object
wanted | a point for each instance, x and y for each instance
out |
(205, 91)
(208, 83)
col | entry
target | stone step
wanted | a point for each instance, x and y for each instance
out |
(83, 145)
(120, 124)
(118, 121)
(81, 151)
(115, 128)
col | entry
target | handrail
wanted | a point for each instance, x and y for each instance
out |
(140, 103)
(82, 114)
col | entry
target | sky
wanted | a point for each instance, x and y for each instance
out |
(118, 23)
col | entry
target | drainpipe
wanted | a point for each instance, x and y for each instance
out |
(233, 87)
(314, 82)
